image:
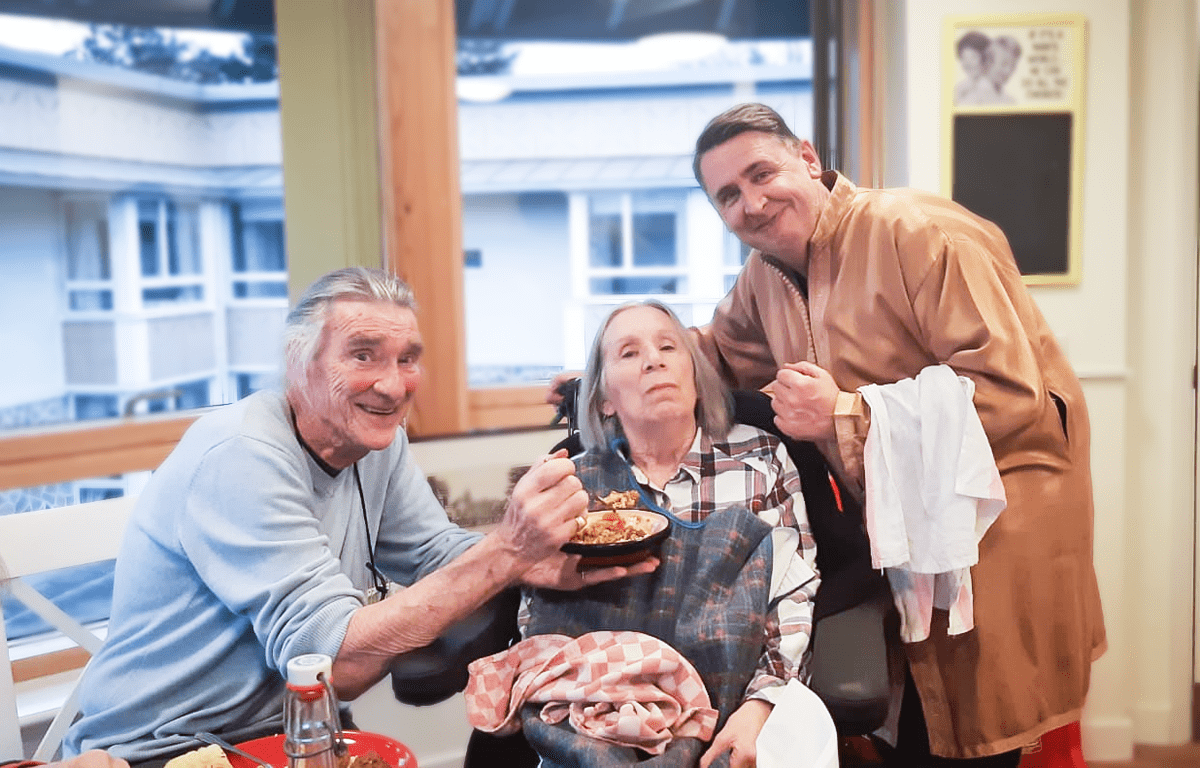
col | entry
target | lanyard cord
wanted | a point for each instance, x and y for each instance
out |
(376, 575)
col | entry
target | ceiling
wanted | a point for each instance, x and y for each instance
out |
(629, 19)
(500, 19)
(234, 15)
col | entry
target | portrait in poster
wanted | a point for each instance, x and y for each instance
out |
(1013, 114)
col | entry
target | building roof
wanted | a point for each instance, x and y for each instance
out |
(482, 176)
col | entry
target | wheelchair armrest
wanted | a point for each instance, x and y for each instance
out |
(850, 665)
(436, 672)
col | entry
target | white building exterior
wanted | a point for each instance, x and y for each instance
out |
(119, 197)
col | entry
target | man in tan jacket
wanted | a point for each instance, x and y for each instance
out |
(847, 287)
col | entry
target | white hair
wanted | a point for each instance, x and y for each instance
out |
(306, 321)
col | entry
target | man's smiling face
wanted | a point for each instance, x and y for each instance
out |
(359, 388)
(768, 192)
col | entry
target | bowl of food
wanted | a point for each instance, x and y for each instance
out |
(365, 750)
(617, 532)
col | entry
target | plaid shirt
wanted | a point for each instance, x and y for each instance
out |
(752, 468)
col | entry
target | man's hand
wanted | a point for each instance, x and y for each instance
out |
(542, 515)
(553, 396)
(561, 571)
(94, 758)
(542, 511)
(739, 735)
(803, 397)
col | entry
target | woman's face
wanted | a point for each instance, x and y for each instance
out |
(648, 376)
(971, 60)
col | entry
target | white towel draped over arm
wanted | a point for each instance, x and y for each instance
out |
(932, 491)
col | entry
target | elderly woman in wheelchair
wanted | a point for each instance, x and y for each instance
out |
(735, 589)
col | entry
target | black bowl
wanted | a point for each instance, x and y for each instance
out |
(624, 552)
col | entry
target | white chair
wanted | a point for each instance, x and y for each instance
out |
(37, 542)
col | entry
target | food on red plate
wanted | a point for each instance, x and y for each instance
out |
(369, 760)
(612, 527)
(211, 756)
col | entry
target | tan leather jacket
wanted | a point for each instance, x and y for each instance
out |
(898, 280)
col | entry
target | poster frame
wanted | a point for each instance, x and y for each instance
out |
(1047, 79)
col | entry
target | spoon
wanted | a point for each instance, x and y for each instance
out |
(209, 738)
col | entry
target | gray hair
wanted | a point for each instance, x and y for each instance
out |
(306, 322)
(738, 120)
(714, 403)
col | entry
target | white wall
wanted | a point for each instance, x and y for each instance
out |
(1162, 298)
(75, 117)
(660, 123)
(516, 297)
(1128, 328)
(30, 264)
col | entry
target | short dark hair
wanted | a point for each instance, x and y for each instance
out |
(973, 39)
(738, 120)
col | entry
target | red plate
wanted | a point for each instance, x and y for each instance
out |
(270, 748)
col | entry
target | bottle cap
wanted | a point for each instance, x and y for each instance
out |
(307, 670)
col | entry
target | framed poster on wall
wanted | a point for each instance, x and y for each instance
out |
(1012, 133)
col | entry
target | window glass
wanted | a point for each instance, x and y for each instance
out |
(87, 240)
(141, 241)
(654, 239)
(183, 239)
(83, 592)
(604, 233)
(259, 256)
(148, 237)
(141, 218)
(576, 136)
(89, 271)
(736, 253)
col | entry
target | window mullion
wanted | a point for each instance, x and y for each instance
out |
(626, 230)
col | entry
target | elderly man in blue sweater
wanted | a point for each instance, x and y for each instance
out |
(276, 523)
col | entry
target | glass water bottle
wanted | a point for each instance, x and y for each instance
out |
(311, 725)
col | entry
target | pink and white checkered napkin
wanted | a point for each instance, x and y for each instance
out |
(625, 688)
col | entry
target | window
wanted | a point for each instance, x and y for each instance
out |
(576, 172)
(259, 258)
(248, 383)
(83, 592)
(181, 397)
(634, 248)
(736, 253)
(638, 248)
(169, 252)
(143, 246)
(89, 407)
(89, 271)
(118, 193)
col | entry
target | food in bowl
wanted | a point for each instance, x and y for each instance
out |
(635, 535)
(618, 500)
(612, 527)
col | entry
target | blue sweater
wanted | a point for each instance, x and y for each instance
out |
(242, 553)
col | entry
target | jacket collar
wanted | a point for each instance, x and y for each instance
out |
(841, 193)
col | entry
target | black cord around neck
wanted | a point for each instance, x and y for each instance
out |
(376, 575)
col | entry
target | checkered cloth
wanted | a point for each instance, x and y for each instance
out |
(624, 688)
